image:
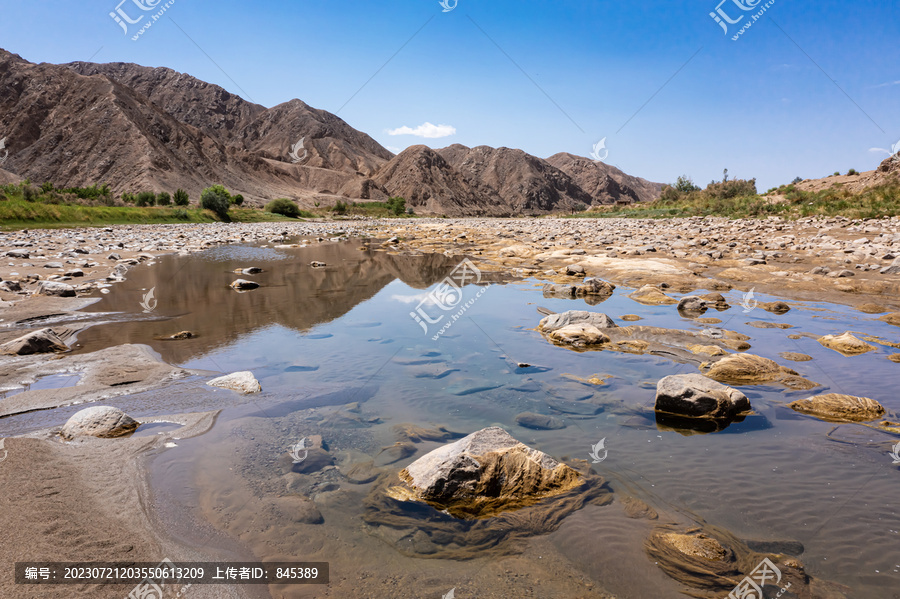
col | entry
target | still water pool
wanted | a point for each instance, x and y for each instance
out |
(338, 355)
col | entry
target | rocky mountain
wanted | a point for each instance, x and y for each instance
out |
(141, 128)
(431, 185)
(605, 183)
(527, 184)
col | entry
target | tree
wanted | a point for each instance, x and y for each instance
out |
(145, 198)
(797, 180)
(685, 184)
(284, 207)
(216, 199)
(163, 198)
(725, 176)
(396, 205)
(181, 197)
(340, 208)
(237, 200)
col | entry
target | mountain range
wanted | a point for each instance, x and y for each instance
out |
(141, 128)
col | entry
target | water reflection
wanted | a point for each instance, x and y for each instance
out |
(189, 294)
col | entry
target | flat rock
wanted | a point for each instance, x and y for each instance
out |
(35, 342)
(483, 474)
(836, 407)
(652, 296)
(242, 382)
(795, 357)
(697, 396)
(747, 369)
(557, 290)
(846, 344)
(892, 318)
(55, 289)
(554, 322)
(99, 421)
(578, 335)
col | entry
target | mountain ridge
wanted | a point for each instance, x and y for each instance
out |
(153, 128)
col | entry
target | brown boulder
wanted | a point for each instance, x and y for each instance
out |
(484, 474)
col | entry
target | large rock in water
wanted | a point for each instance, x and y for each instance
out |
(697, 396)
(242, 382)
(99, 421)
(484, 474)
(554, 322)
(35, 342)
(836, 407)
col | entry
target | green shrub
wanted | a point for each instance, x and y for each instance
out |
(216, 199)
(410, 211)
(836, 174)
(163, 198)
(685, 184)
(237, 200)
(46, 186)
(397, 206)
(181, 197)
(128, 198)
(29, 193)
(852, 171)
(796, 180)
(145, 198)
(339, 208)
(283, 207)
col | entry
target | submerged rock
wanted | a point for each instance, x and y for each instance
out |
(540, 422)
(242, 382)
(846, 344)
(99, 421)
(483, 474)
(697, 396)
(35, 342)
(836, 407)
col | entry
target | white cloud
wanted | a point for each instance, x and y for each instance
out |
(426, 130)
(879, 151)
(888, 84)
(414, 299)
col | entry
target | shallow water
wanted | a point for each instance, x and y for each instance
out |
(318, 339)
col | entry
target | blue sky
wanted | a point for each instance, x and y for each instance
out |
(809, 89)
